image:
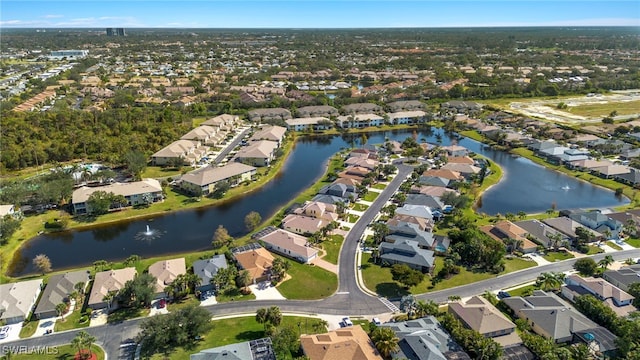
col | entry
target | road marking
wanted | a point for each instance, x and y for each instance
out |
(389, 304)
(342, 293)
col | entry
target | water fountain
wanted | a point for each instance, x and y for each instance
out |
(148, 235)
(566, 187)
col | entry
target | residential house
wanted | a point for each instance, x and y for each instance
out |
(433, 181)
(460, 107)
(419, 211)
(407, 117)
(105, 282)
(553, 318)
(597, 221)
(504, 230)
(271, 133)
(366, 163)
(329, 199)
(460, 160)
(340, 190)
(568, 227)
(318, 111)
(225, 122)
(400, 231)
(257, 153)
(409, 105)
(351, 343)
(255, 259)
(542, 233)
(204, 180)
(17, 300)
(587, 164)
(369, 153)
(269, 114)
(7, 210)
(319, 210)
(456, 150)
(58, 289)
(260, 349)
(571, 155)
(289, 244)
(407, 252)
(207, 135)
(623, 277)
(362, 108)
(467, 171)
(189, 151)
(436, 191)
(611, 171)
(312, 123)
(630, 219)
(165, 272)
(615, 298)
(207, 269)
(360, 121)
(422, 223)
(303, 225)
(433, 203)
(424, 339)
(631, 178)
(448, 174)
(480, 315)
(142, 192)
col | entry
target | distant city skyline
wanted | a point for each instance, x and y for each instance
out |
(315, 14)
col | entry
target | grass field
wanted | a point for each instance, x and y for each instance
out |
(325, 283)
(240, 329)
(613, 245)
(633, 242)
(160, 172)
(554, 256)
(71, 322)
(594, 250)
(29, 328)
(332, 247)
(379, 186)
(234, 295)
(360, 207)
(370, 196)
(63, 352)
(602, 110)
(522, 290)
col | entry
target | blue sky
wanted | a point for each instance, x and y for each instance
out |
(315, 14)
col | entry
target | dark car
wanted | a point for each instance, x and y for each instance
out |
(162, 303)
(503, 295)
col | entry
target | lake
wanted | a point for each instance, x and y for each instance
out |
(525, 186)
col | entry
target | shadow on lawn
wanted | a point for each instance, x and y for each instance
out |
(391, 290)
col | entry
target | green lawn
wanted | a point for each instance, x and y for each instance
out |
(332, 247)
(182, 303)
(554, 256)
(360, 207)
(601, 110)
(126, 314)
(370, 196)
(71, 322)
(522, 290)
(62, 352)
(352, 218)
(240, 329)
(379, 186)
(613, 245)
(29, 328)
(379, 279)
(308, 282)
(594, 250)
(234, 295)
(633, 242)
(472, 134)
(160, 172)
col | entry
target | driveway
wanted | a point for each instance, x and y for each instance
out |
(325, 265)
(265, 291)
(156, 310)
(44, 325)
(98, 317)
(14, 332)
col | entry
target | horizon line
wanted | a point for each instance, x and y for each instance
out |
(324, 28)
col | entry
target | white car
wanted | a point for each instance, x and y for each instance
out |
(347, 322)
(4, 332)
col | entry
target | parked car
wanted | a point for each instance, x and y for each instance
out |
(162, 303)
(4, 332)
(376, 321)
(503, 295)
(346, 322)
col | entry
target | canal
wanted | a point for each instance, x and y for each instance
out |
(525, 186)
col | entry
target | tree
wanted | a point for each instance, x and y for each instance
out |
(425, 308)
(61, 309)
(549, 281)
(406, 276)
(252, 220)
(83, 341)
(605, 262)
(380, 231)
(79, 287)
(221, 237)
(279, 269)
(634, 290)
(131, 260)
(138, 292)
(585, 266)
(261, 317)
(385, 340)
(220, 189)
(243, 279)
(8, 226)
(42, 263)
(225, 278)
(274, 316)
(161, 334)
(108, 298)
(99, 202)
(136, 163)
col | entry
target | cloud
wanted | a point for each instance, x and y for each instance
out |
(52, 16)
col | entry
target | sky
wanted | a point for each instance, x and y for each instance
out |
(314, 14)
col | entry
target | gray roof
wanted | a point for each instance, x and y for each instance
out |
(426, 200)
(423, 339)
(625, 276)
(409, 231)
(207, 269)
(328, 199)
(260, 349)
(408, 252)
(17, 298)
(540, 231)
(58, 289)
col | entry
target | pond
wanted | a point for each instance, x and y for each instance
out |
(526, 186)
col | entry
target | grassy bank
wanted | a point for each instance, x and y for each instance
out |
(62, 352)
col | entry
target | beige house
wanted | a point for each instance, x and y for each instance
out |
(106, 282)
(271, 133)
(480, 315)
(17, 300)
(350, 343)
(188, 150)
(289, 244)
(256, 260)
(136, 193)
(223, 122)
(204, 180)
(319, 210)
(303, 225)
(165, 272)
(258, 153)
(205, 134)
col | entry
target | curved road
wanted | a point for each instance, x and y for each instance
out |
(350, 299)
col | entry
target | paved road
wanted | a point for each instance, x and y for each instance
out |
(348, 300)
(231, 146)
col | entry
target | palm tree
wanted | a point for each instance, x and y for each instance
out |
(61, 309)
(261, 317)
(109, 298)
(274, 316)
(605, 262)
(77, 343)
(425, 308)
(385, 340)
(548, 281)
(88, 340)
(630, 227)
(79, 287)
